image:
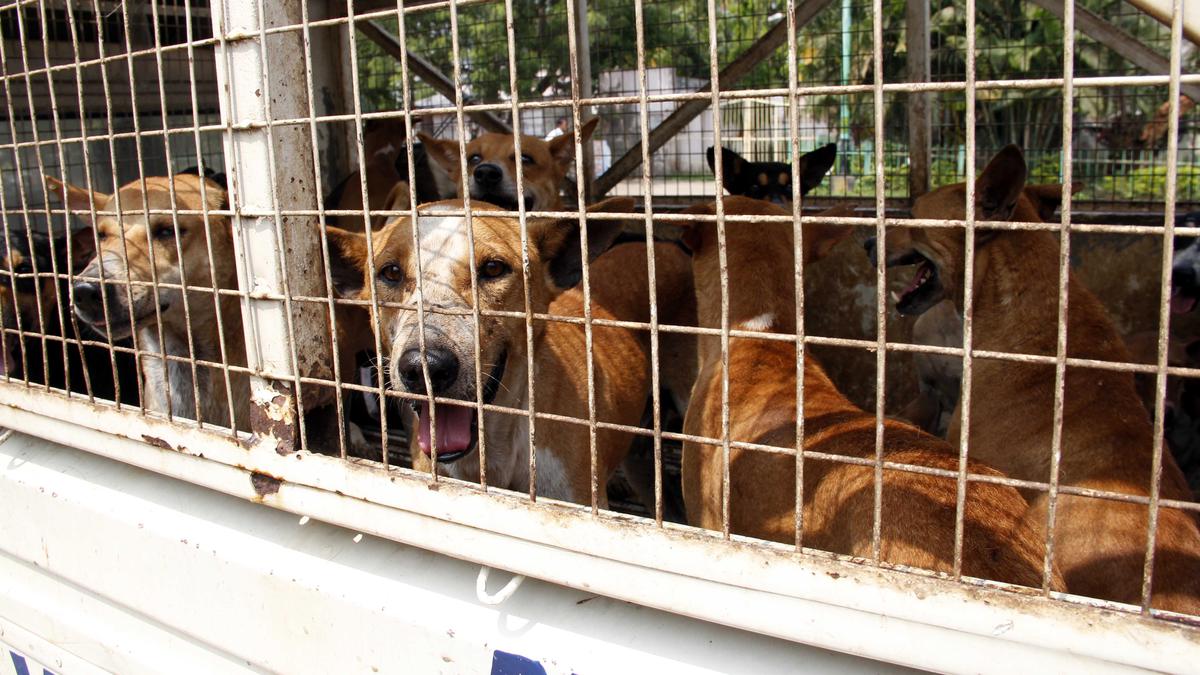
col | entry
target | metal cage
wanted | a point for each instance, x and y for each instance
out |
(239, 382)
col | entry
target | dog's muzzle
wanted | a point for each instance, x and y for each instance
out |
(457, 425)
(90, 299)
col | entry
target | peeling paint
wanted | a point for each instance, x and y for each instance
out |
(263, 484)
(273, 418)
(157, 442)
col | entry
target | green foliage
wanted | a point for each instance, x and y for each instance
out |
(1146, 184)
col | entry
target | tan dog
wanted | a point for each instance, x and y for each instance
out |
(492, 167)
(122, 309)
(1106, 438)
(619, 291)
(918, 516)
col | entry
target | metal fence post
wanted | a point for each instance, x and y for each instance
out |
(260, 77)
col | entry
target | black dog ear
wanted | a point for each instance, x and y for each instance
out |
(999, 186)
(347, 261)
(560, 242)
(733, 169)
(814, 165)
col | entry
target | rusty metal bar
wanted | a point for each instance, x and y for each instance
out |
(651, 271)
(793, 111)
(880, 277)
(267, 247)
(968, 291)
(1164, 311)
(372, 296)
(1064, 271)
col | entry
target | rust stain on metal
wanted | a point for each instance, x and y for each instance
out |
(157, 442)
(273, 418)
(263, 484)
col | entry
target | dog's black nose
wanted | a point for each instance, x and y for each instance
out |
(1183, 276)
(443, 369)
(869, 247)
(488, 175)
(88, 302)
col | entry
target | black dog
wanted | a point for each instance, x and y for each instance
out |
(1185, 269)
(40, 341)
(772, 181)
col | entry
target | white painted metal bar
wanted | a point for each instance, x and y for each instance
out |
(840, 605)
(266, 247)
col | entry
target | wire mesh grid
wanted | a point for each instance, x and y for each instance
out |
(303, 299)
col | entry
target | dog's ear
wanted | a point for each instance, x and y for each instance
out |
(820, 238)
(1047, 197)
(559, 242)
(733, 168)
(76, 199)
(397, 199)
(444, 152)
(999, 187)
(562, 148)
(588, 128)
(347, 261)
(814, 165)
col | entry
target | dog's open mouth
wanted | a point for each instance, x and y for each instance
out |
(1185, 292)
(457, 426)
(925, 288)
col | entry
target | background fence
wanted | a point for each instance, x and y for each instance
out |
(1119, 132)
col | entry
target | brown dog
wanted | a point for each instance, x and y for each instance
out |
(918, 516)
(939, 378)
(492, 167)
(125, 304)
(618, 290)
(1106, 437)
(385, 163)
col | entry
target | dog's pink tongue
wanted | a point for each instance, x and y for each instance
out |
(1181, 304)
(453, 428)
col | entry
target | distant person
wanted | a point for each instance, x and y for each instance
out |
(560, 128)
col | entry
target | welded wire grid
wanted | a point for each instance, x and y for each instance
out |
(119, 94)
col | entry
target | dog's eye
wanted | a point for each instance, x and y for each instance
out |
(493, 269)
(526, 160)
(391, 274)
(474, 159)
(163, 232)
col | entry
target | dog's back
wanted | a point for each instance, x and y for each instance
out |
(1107, 438)
(918, 510)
